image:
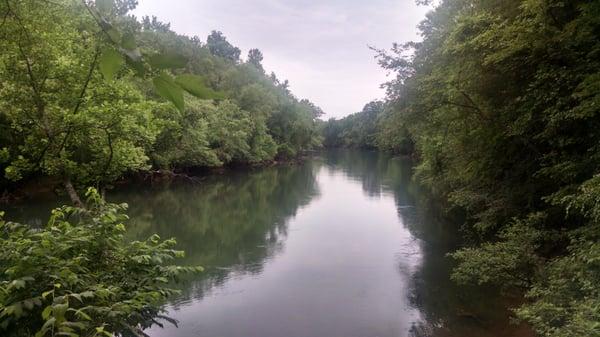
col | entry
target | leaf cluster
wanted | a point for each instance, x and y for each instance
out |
(78, 276)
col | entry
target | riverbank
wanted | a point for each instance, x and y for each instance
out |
(46, 186)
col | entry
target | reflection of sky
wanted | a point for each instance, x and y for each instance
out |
(344, 270)
(319, 45)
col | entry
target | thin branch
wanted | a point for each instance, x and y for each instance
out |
(80, 99)
(87, 81)
(111, 154)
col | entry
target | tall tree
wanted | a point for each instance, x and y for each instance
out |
(219, 46)
(255, 58)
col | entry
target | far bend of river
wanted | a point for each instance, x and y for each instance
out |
(339, 246)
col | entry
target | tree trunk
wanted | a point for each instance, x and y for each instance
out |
(73, 193)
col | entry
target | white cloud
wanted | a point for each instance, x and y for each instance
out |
(319, 46)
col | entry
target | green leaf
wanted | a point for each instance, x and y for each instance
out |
(46, 293)
(168, 60)
(136, 65)
(28, 304)
(129, 48)
(194, 85)
(87, 294)
(48, 324)
(18, 284)
(83, 315)
(105, 6)
(77, 296)
(110, 62)
(60, 309)
(128, 41)
(113, 34)
(46, 312)
(169, 90)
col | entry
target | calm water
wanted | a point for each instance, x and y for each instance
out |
(340, 246)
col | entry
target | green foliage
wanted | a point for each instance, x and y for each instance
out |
(169, 60)
(219, 46)
(83, 86)
(565, 298)
(110, 62)
(255, 58)
(78, 276)
(358, 130)
(511, 261)
(194, 84)
(500, 101)
(168, 89)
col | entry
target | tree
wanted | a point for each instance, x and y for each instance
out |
(219, 46)
(82, 92)
(58, 104)
(500, 102)
(358, 130)
(255, 58)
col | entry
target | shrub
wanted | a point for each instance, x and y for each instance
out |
(78, 276)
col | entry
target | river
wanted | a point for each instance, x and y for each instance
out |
(342, 245)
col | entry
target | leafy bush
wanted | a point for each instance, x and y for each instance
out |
(78, 276)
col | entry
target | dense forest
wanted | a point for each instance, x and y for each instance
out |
(90, 94)
(500, 103)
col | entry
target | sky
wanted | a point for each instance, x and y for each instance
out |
(320, 46)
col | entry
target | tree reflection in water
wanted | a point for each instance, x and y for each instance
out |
(447, 309)
(231, 224)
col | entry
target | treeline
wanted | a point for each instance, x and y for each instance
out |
(358, 130)
(501, 102)
(368, 129)
(89, 94)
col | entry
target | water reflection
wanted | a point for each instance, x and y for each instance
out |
(446, 309)
(231, 224)
(342, 245)
(285, 260)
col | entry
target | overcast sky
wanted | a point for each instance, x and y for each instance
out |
(320, 46)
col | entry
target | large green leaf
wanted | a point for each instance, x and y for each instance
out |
(128, 41)
(113, 34)
(169, 90)
(110, 62)
(137, 66)
(105, 6)
(168, 60)
(129, 48)
(194, 84)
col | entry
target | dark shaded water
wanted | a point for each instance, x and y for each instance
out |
(339, 246)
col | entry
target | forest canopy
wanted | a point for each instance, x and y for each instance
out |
(90, 94)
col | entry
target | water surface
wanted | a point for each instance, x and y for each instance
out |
(339, 246)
